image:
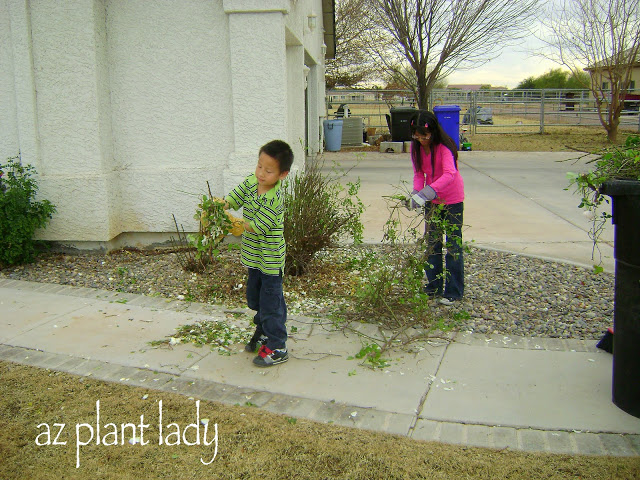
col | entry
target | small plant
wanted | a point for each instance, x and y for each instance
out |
(196, 251)
(318, 212)
(20, 214)
(371, 355)
(612, 164)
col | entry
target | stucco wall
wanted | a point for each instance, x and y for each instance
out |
(139, 103)
(9, 143)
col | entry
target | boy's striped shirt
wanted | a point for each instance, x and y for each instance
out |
(265, 249)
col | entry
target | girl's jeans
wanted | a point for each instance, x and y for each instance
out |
(264, 294)
(453, 275)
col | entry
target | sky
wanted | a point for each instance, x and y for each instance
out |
(508, 70)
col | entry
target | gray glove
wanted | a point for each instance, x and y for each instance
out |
(423, 196)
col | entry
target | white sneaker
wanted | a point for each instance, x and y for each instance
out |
(447, 301)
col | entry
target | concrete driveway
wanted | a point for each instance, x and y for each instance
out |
(515, 202)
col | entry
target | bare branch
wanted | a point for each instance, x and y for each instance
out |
(436, 37)
(602, 37)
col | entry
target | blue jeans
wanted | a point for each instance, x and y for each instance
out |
(452, 277)
(265, 296)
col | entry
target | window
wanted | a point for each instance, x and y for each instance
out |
(605, 85)
(632, 85)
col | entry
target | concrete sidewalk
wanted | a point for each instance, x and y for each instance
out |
(532, 394)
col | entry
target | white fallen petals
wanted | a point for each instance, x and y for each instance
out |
(134, 441)
(353, 414)
(204, 421)
(145, 396)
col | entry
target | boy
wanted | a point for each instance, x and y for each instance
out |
(263, 250)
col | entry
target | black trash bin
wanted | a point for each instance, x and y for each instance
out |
(625, 195)
(399, 123)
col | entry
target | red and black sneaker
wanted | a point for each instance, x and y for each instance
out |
(257, 341)
(268, 358)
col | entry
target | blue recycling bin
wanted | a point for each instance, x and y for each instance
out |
(449, 118)
(333, 134)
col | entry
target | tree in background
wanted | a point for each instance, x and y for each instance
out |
(352, 63)
(402, 78)
(556, 78)
(603, 37)
(437, 37)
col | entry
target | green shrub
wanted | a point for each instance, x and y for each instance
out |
(391, 288)
(614, 163)
(319, 211)
(20, 214)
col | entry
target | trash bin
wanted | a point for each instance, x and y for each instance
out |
(399, 123)
(625, 195)
(449, 118)
(333, 134)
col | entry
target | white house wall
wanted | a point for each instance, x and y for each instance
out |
(139, 103)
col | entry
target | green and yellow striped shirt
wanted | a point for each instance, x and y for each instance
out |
(265, 249)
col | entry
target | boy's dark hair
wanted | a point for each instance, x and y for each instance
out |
(281, 151)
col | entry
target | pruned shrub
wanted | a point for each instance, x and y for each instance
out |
(319, 211)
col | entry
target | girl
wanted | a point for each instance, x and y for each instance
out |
(437, 180)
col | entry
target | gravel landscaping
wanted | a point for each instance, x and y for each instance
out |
(505, 293)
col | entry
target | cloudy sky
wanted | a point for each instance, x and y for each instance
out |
(508, 70)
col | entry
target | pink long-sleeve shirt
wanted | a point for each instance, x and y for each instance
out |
(445, 179)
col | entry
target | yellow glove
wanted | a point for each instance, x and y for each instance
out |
(237, 225)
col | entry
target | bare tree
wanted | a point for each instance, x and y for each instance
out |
(352, 63)
(437, 37)
(603, 38)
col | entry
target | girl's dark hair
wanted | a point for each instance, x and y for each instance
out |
(425, 122)
(281, 151)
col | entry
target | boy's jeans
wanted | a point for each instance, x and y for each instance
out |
(453, 277)
(264, 294)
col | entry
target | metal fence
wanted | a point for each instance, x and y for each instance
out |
(485, 111)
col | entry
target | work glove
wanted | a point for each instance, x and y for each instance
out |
(410, 203)
(423, 196)
(237, 225)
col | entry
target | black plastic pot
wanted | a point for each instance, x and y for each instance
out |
(625, 196)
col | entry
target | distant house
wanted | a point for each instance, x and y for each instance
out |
(602, 73)
(127, 108)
